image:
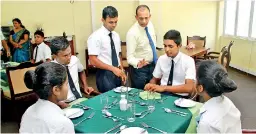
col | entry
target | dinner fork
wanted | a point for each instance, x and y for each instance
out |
(147, 126)
(89, 117)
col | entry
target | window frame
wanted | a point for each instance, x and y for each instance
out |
(252, 11)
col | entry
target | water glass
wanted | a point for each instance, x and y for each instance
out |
(131, 111)
(151, 100)
(104, 101)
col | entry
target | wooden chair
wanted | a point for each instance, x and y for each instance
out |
(223, 57)
(197, 40)
(124, 56)
(18, 90)
(215, 55)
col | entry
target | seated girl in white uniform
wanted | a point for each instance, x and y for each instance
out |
(218, 114)
(50, 83)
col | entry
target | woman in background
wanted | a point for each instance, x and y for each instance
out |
(218, 114)
(19, 38)
(50, 82)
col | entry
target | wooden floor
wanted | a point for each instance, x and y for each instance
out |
(244, 98)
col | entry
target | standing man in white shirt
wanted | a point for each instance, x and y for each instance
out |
(218, 114)
(141, 48)
(62, 52)
(175, 71)
(104, 47)
(42, 52)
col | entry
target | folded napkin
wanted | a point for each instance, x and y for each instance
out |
(144, 95)
(191, 45)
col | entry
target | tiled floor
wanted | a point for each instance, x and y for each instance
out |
(244, 98)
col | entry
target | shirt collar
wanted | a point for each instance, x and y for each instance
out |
(105, 30)
(50, 104)
(62, 64)
(210, 103)
(40, 44)
(140, 27)
(176, 58)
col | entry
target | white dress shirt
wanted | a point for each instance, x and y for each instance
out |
(138, 46)
(219, 115)
(184, 68)
(99, 44)
(2, 38)
(74, 67)
(43, 52)
(45, 117)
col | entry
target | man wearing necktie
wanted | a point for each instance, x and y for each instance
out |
(75, 71)
(174, 71)
(104, 48)
(141, 48)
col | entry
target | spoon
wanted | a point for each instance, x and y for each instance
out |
(121, 128)
(167, 110)
(110, 115)
(112, 96)
(140, 103)
(83, 106)
(115, 120)
(139, 114)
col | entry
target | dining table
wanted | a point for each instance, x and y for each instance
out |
(159, 118)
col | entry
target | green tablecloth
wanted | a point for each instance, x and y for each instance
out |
(4, 85)
(170, 123)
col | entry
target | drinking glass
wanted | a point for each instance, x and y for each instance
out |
(151, 100)
(131, 111)
(104, 101)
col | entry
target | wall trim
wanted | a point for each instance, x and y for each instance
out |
(243, 69)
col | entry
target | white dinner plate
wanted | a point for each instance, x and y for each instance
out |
(134, 130)
(122, 89)
(181, 102)
(73, 112)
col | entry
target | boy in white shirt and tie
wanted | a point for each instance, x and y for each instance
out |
(42, 52)
(175, 71)
(62, 52)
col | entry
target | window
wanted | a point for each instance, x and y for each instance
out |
(240, 18)
(244, 9)
(254, 23)
(230, 17)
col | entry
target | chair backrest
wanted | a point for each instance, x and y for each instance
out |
(16, 78)
(225, 55)
(123, 50)
(197, 40)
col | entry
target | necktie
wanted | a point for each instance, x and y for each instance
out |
(36, 53)
(113, 52)
(152, 46)
(72, 85)
(171, 75)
